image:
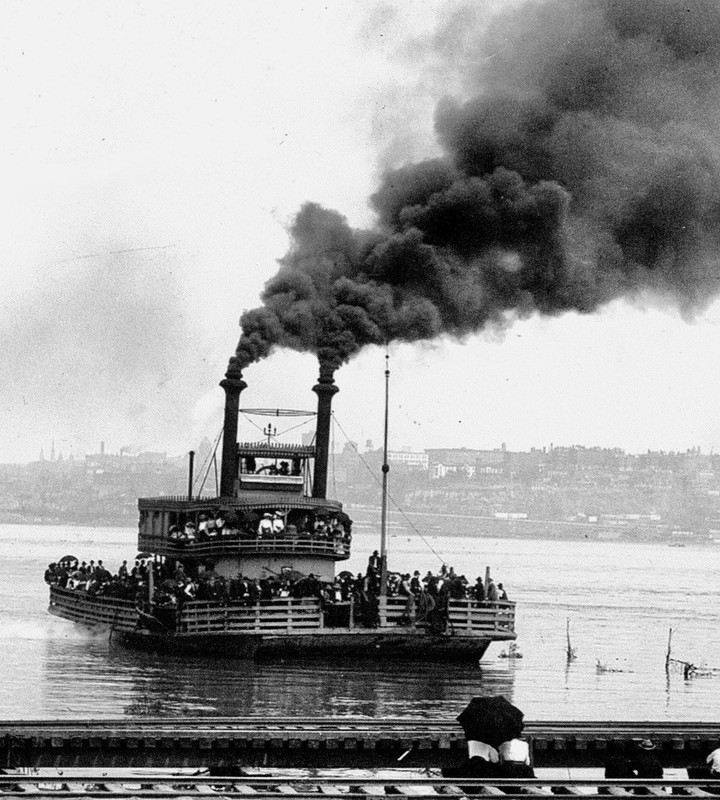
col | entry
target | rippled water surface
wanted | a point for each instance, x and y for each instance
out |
(621, 599)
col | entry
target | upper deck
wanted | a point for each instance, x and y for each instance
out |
(163, 518)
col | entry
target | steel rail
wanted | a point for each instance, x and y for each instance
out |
(331, 724)
(348, 787)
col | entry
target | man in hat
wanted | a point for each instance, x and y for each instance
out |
(416, 583)
(265, 527)
(645, 762)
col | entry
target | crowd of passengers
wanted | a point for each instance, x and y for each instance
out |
(173, 586)
(335, 527)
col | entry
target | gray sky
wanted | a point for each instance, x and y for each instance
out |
(153, 157)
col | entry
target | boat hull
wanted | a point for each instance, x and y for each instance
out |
(374, 645)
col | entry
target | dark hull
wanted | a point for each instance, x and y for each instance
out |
(377, 645)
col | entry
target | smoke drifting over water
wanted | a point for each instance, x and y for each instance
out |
(584, 167)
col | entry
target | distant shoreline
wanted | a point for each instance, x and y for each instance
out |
(449, 525)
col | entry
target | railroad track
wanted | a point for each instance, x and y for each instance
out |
(324, 742)
(307, 729)
(345, 788)
(367, 725)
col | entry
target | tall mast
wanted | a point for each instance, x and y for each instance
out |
(385, 470)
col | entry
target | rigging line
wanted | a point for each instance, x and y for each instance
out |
(254, 424)
(299, 425)
(210, 460)
(332, 451)
(206, 461)
(282, 433)
(390, 497)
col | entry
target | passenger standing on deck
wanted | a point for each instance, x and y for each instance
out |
(491, 592)
(374, 562)
(478, 590)
(265, 528)
(278, 523)
(416, 583)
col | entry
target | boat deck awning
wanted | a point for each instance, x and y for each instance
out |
(247, 501)
(275, 450)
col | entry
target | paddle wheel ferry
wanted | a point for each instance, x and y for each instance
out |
(272, 499)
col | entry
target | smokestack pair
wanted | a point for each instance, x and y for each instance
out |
(233, 384)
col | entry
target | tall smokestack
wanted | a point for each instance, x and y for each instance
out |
(325, 389)
(233, 384)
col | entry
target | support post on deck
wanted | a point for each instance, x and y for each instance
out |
(191, 464)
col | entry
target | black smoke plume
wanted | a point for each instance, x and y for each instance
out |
(585, 166)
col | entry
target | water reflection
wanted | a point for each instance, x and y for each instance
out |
(122, 681)
(341, 687)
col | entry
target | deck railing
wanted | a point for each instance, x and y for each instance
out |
(290, 614)
(79, 606)
(464, 616)
(282, 615)
(279, 615)
(238, 546)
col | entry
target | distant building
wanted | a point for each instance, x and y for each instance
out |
(408, 458)
(463, 461)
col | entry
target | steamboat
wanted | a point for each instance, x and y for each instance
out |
(272, 500)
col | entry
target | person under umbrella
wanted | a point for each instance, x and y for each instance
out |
(487, 723)
(493, 720)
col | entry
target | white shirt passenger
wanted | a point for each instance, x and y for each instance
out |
(714, 761)
(515, 750)
(483, 750)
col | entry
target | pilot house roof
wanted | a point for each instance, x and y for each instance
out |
(275, 450)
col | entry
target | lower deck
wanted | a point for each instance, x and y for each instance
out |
(295, 626)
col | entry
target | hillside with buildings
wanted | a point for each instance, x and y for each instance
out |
(582, 491)
(591, 491)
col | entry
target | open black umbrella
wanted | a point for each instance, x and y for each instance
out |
(142, 556)
(67, 559)
(492, 720)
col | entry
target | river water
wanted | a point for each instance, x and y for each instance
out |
(621, 600)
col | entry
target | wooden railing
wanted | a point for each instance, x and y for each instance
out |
(235, 546)
(464, 616)
(79, 606)
(289, 614)
(280, 615)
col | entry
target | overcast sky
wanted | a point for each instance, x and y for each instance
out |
(153, 157)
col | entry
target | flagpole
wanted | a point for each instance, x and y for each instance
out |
(385, 470)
